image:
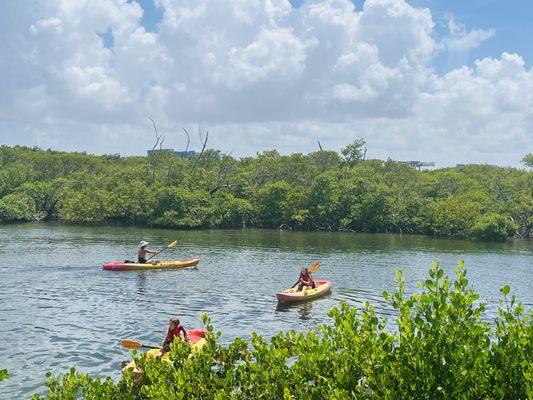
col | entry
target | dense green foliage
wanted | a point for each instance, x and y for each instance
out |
(493, 227)
(440, 348)
(318, 191)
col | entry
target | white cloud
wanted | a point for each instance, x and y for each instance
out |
(44, 24)
(275, 55)
(461, 40)
(260, 74)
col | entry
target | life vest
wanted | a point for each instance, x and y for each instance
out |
(306, 278)
(171, 334)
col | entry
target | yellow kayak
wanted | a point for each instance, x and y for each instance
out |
(196, 341)
(292, 294)
(121, 266)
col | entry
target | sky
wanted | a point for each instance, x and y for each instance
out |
(449, 81)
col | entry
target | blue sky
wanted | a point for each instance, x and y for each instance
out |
(452, 85)
(511, 19)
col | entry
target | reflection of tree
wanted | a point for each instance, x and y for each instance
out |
(303, 308)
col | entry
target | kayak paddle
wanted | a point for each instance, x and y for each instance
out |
(315, 267)
(170, 245)
(133, 345)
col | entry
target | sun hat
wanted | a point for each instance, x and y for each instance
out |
(143, 243)
(175, 319)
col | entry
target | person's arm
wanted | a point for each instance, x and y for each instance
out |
(297, 282)
(152, 251)
(166, 342)
(184, 334)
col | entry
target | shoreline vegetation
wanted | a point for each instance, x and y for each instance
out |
(323, 190)
(441, 348)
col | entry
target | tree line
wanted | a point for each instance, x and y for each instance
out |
(323, 190)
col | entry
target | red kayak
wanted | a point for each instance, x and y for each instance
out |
(194, 335)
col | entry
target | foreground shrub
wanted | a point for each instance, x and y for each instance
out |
(440, 348)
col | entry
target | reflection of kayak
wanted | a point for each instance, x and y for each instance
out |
(196, 340)
(120, 266)
(322, 288)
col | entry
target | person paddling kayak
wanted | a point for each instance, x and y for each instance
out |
(175, 330)
(305, 280)
(143, 251)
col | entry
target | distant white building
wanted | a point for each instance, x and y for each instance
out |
(418, 164)
(181, 154)
(461, 166)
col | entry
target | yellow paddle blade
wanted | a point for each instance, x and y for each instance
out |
(173, 244)
(131, 344)
(315, 267)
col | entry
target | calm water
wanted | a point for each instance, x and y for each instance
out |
(58, 308)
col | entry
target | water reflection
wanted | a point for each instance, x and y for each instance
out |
(304, 308)
(141, 282)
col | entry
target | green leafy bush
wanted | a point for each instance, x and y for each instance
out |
(440, 347)
(16, 207)
(493, 227)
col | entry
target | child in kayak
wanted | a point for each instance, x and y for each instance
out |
(175, 330)
(141, 254)
(305, 280)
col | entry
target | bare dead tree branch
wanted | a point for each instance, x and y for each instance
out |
(157, 136)
(200, 132)
(319, 145)
(228, 186)
(201, 152)
(225, 169)
(155, 157)
(188, 140)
